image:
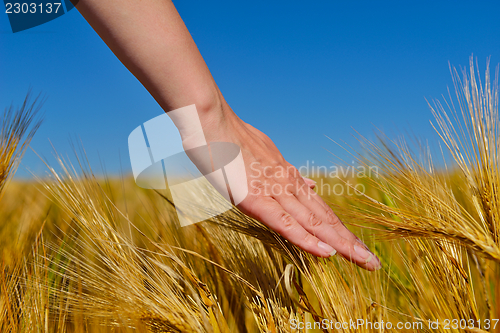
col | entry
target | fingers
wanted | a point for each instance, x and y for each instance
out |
(272, 214)
(329, 230)
(358, 251)
(344, 232)
(316, 217)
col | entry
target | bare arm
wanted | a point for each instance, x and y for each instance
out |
(152, 41)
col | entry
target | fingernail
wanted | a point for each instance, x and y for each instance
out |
(377, 264)
(363, 244)
(327, 248)
(366, 255)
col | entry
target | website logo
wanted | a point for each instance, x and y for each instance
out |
(24, 15)
(204, 180)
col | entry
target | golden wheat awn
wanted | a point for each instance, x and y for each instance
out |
(85, 254)
(423, 201)
(18, 125)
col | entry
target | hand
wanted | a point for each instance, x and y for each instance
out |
(280, 197)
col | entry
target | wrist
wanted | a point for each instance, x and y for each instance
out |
(218, 120)
(213, 111)
(210, 119)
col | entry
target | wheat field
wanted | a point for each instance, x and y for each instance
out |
(82, 253)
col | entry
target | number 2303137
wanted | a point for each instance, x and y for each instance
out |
(32, 8)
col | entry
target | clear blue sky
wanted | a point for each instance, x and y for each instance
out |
(297, 70)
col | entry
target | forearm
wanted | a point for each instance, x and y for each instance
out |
(152, 41)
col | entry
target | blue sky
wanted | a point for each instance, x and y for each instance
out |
(297, 70)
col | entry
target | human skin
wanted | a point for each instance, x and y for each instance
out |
(152, 41)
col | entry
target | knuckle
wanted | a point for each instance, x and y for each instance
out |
(286, 221)
(256, 188)
(333, 219)
(313, 220)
